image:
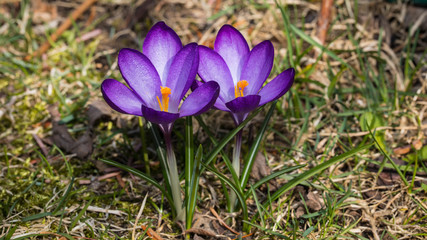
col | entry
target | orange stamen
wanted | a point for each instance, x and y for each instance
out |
(164, 104)
(240, 86)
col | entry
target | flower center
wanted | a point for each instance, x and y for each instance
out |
(164, 104)
(240, 86)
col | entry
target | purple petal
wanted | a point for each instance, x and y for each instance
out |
(220, 105)
(158, 117)
(212, 67)
(140, 75)
(244, 104)
(233, 48)
(201, 100)
(239, 117)
(182, 74)
(121, 98)
(160, 46)
(258, 66)
(196, 84)
(277, 87)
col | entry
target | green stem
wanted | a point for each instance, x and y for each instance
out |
(144, 147)
(236, 167)
(172, 168)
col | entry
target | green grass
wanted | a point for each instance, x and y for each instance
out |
(347, 92)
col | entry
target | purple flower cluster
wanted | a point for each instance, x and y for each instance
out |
(158, 78)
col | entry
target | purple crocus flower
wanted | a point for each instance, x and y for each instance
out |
(158, 79)
(241, 73)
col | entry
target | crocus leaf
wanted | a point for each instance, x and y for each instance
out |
(234, 187)
(189, 153)
(215, 143)
(161, 154)
(194, 186)
(213, 154)
(250, 159)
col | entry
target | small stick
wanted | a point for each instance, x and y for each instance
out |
(222, 221)
(64, 26)
(41, 145)
(250, 234)
(324, 19)
(151, 233)
(138, 216)
(107, 176)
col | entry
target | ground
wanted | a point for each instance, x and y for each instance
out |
(351, 131)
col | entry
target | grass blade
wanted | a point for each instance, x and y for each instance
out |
(63, 199)
(304, 176)
(10, 233)
(272, 176)
(396, 168)
(331, 54)
(36, 216)
(77, 218)
(142, 176)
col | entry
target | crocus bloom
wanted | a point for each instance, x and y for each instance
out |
(158, 79)
(241, 73)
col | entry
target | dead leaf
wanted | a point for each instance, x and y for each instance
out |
(300, 211)
(260, 168)
(98, 110)
(388, 179)
(201, 231)
(355, 214)
(43, 12)
(82, 147)
(415, 17)
(197, 237)
(300, 191)
(417, 144)
(402, 150)
(151, 233)
(372, 194)
(203, 226)
(313, 201)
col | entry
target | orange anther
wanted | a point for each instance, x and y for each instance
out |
(240, 86)
(164, 104)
